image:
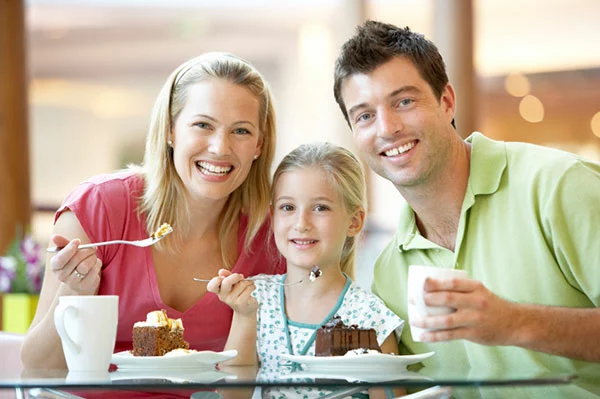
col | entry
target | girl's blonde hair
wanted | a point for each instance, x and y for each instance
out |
(164, 198)
(347, 177)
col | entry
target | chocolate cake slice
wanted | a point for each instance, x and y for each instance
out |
(335, 338)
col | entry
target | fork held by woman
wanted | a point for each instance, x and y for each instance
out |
(158, 235)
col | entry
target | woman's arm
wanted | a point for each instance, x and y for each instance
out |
(42, 348)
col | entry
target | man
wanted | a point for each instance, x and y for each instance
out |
(522, 220)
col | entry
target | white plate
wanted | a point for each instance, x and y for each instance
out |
(371, 361)
(181, 376)
(196, 360)
(360, 375)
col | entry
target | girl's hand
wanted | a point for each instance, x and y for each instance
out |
(78, 268)
(235, 291)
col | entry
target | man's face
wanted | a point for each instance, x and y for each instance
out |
(399, 126)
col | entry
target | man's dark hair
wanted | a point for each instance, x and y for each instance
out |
(376, 43)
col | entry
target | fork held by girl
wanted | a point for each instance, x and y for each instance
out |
(317, 212)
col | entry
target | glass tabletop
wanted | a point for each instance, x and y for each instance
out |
(293, 378)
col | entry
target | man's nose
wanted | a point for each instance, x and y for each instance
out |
(389, 123)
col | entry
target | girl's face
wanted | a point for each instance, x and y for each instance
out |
(215, 138)
(310, 220)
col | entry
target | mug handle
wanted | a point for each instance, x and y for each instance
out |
(420, 298)
(59, 322)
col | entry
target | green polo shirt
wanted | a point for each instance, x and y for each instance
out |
(529, 230)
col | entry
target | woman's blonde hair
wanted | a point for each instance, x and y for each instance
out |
(164, 198)
(347, 177)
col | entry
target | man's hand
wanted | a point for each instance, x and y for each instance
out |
(480, 315)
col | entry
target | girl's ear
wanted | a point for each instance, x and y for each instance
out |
(271, 213)
(357, 221)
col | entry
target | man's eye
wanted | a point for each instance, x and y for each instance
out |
(406, 101)
(364, 117)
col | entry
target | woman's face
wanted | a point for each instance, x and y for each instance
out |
(216, 138)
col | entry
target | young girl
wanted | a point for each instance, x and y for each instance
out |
(317, 210)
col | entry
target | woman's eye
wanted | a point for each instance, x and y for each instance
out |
(241, 131)
(202, 125)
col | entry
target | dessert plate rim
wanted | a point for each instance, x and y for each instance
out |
(201, 359)
(370, 360)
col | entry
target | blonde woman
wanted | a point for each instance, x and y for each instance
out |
(206, 172)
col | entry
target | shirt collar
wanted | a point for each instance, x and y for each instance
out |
(488, 161)
(489, 156)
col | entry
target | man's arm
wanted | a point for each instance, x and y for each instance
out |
(485, 318)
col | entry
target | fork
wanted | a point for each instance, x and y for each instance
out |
(314, 274)
(272, 281)
(153, 239)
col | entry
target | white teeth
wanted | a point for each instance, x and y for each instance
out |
(304, 242)
(400, 150)
(220, 170)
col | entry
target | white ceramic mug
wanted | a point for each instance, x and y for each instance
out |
(417, 308)
(87, 326)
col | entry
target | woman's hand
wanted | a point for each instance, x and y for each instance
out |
(78, 268)
(235, 291)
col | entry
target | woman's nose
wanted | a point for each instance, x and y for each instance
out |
(219, 143)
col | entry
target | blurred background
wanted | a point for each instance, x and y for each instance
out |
(523, 70)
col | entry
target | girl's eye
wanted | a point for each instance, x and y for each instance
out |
(286, 207)
(321, 208)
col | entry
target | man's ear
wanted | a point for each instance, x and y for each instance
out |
(357, 222)
(448, 102)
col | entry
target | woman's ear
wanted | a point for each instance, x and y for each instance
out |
(258, 148)
(357, 221)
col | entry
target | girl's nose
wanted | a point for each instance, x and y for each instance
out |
(302, 223)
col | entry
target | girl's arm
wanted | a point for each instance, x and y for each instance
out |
(390, 345)
(236, 292)
(42, 348)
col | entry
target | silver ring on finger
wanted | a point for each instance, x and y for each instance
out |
(78, 275)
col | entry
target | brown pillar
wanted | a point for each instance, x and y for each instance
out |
(454, 38)
(15, 200)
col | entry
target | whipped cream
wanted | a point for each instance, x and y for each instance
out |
(158, 318)
(361, 351)
(179, 352)
(163, 230)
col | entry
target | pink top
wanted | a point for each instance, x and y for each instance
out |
(106, 207)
